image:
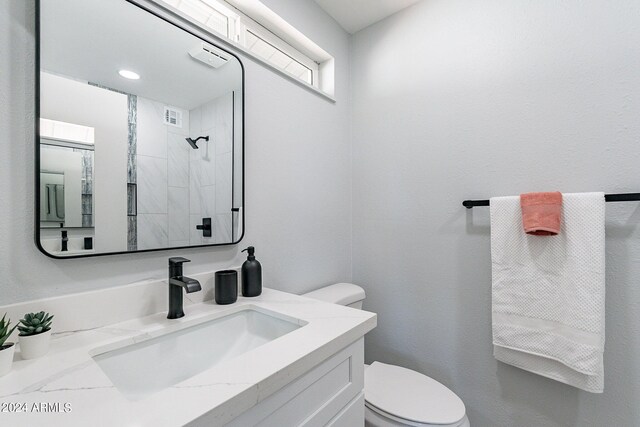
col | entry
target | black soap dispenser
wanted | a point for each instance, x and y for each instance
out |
(251, 275)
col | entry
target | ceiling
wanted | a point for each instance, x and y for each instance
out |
(354, 15)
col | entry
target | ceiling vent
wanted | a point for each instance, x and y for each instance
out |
(172, 117)
(209, 55)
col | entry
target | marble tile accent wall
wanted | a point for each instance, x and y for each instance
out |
(87, 210)
(87, 186)
(132, 177)
(132, 236)
(87, 170)
(133, 138)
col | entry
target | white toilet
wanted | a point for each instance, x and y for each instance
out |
(396, 396)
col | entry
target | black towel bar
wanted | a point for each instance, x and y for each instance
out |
(624, 197)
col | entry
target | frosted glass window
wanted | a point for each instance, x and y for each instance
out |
(276, 57)
(204, 14)
(71, 132)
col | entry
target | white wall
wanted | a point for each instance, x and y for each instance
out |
(452, 100)
(75, 102)
(462, 99)
(297, 147)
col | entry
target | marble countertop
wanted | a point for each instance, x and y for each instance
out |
(68, 388)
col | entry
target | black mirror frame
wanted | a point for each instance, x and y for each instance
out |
(178, 22)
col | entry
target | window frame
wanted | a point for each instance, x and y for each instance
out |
(259, 31)
(238, 25)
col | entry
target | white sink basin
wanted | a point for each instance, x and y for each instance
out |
(165, 358)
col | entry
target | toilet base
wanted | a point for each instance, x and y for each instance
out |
(375, 419)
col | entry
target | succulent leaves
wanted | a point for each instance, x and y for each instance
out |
(35, 323)
(5, 332)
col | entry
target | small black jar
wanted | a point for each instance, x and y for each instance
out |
(226, 286)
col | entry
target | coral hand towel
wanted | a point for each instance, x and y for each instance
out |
(541, 213)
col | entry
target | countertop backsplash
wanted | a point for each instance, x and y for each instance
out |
(95, 309)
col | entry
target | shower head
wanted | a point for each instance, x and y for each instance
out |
(193, 142)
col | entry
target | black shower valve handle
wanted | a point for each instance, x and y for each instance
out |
(205, 227)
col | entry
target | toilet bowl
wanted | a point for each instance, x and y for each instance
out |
(396, 396)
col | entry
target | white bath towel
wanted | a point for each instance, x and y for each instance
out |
(548, 291)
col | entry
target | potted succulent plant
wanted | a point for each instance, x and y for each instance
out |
(35, 334)
(6, 348)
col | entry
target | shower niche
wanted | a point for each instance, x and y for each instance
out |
(139, 131)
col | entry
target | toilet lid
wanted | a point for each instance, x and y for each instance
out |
(410, 395)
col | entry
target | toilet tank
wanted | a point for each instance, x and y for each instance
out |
(341, 293)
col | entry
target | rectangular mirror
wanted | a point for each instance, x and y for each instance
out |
(139, 131)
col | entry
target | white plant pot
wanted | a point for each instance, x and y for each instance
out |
(33, 346)
(6, 359)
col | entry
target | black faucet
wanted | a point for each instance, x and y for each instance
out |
(176, 283)
(65, 241)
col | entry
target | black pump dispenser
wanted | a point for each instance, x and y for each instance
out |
(251, 275)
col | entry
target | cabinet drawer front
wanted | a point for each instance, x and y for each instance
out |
(316, 397)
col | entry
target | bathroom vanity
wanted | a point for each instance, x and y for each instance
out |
(275, 360)
(151, 158)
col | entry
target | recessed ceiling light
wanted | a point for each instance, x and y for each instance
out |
(129, 74)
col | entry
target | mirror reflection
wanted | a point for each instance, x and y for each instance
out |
(66, 184)
(140, 133)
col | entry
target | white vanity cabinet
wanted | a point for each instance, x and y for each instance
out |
(330, 394)
(312, 375)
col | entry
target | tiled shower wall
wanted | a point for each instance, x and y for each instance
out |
(176, 185)
(211, 169)
(162, 178)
